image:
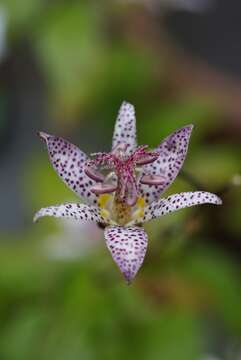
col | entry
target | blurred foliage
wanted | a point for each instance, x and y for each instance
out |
(185, 302)
(69, 44)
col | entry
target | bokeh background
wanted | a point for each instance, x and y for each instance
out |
(65, 68)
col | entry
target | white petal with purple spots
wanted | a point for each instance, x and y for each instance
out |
(178, 201)
(128, 248)
(73, 211)
(68, 161)
(173, 150)
(125, 128)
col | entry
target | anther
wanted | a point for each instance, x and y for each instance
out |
(152, 180)
(99, 189)
(94, 174)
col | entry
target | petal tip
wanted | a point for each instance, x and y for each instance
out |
(38, 215)
(216, 200)
(128, 279)
(35, 219)
(189, 127)
(43, 135)
(127, 104)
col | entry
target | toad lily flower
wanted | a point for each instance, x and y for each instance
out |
(122, 188)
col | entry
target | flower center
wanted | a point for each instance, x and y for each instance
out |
(117, 213)
(120, 172)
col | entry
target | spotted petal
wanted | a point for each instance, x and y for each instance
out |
(125, 128)
(172, 150)
(73, 211)
(68, 161)
(128, 248)
(178, 201)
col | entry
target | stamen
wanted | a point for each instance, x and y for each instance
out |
(148, 159)
(152, 180)
(125, 169)
(99, 189)
(141, 154)
(94, 174)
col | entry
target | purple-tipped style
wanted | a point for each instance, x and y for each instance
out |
(121, 189)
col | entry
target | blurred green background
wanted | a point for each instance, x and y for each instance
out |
(65, 68)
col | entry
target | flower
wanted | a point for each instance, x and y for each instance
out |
(122, 188)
